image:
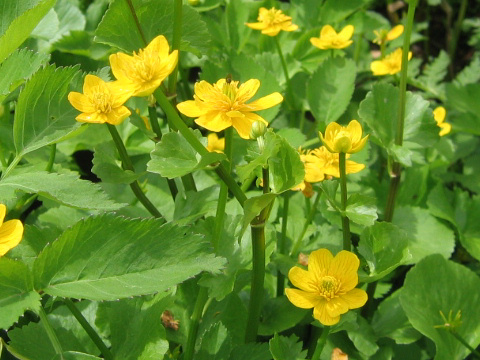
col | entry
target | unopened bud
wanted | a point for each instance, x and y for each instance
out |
(258, 130)
(194, 2)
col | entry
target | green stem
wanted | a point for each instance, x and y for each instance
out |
(177, 36)
(137, 22)
(382, 48)
(466, 344)
(11, 166)
(456, 32)
(223, 196)
(289, 97)
(282, 243)
(50, 332)
(175, 120)
(258, 267)
(321, 343)
(396, 168)
(308, 220)
(128, 165)
(89, 329)
(358, 48)
(368, 309)
(51, 158)
(347, 245)
(202, 298)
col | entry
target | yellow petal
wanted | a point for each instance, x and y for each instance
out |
(302, 299)
(355, 130)
(302, 279)
(117, 115)
(265, 102)
(445, 128)
(352, 167)
(319, 262)
(91, 82)
(256, 26)
(395, 32)
(327, 30)
(235, 114)
(205, 91)
(355, 298)
(190, 109)
(11, 233)
(346, 33)
(243, 125)
(148, 87)
(379, 68)
(359, 145)
(336, 306)
(120, 64)
(214, 121)
(272, 30)
(247, 90)
(439, 114)
(320, 313)
(94, 118)
(159, 46)
(80, 102)
(344, 267)
(291, 27)
(3, 211)
(121, 93)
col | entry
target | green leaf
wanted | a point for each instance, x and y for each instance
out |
(384, 247)
(361, 209)
(286, 348)
(330, 89)
(253, 206)
(380, 111)
(464, 98)
(216, 344)
(279, 314)
(134, 327)
(435, 73)
(20, 65)
(129, 257)
(107, 167)
(426, 234)
(251, 351)
(71, 18)
(334, 11)
(174, 156)
(194, 205)
(470, 74)
(43, 115)
(400, 154)
(156, 18)
(16, 292)
(364, 337)
(18, 19)
(428, 290)
(67, 189)
(391, 321)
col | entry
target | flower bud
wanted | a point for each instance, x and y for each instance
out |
(258, 129)
(194, 2)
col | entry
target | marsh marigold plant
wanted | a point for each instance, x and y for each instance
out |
(143, 72)
(272, 21)
(390, 65)
(11, 232)
(329, 39)
(101, 102)
(328, 286)
(344, 139)
(223, 104)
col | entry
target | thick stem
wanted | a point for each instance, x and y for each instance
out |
(89, 329)
(137, 22)
(51, 158)
(308, 220)
(128, 165)
(175, 120)
(282, 243)
(50, 333)
(289, 94)
(177, 36)
(347, 244)
(321, 343)
(200, 302)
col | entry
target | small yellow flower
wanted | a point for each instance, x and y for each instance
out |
(392, 63)
(272, 21)
(439, 115)
(328, 286)
(101, 102)
(214, 143)
(382, 36)
(329, 39)
(145, 70)
(11, 232)
(223, 104)
(344, 139)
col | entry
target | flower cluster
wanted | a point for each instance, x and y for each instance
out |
(11, 232)
(137, 75)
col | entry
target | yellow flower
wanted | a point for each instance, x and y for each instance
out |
(321, 163)
(392, 63)
(329, 39)
(382, 36)
(101, 102)
(439, 115)
(328, 286)
(345, 139)
(272, 21)
(11, 232)
(214, 143)
(222, 105)
(145, 70)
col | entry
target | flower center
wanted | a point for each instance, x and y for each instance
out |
(145, 65)
(342, 142)
(230, 89)
(102, 101)
(328, 287)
